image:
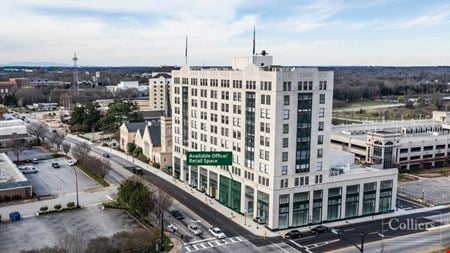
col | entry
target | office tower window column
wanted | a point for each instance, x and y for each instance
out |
(302, 163)
(250, 130)
(185, 118)
(317, 206)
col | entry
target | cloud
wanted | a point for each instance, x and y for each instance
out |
(152, 32)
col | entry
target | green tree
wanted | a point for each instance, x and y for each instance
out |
(85, 117)
(131, 147)
(118, 112)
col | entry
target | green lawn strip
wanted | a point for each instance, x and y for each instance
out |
(94, 176)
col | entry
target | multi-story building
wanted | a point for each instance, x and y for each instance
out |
(158, 84)
(277, 122)
(406, 144)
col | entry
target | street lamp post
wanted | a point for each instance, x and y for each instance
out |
(245, 217)
(76, 185)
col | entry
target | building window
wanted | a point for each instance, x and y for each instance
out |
(285, 128)
(284, 156)
(369, 197)
(319, 153)
(385, 195)
(300, 212)
(286, 100)
(284, 170)
(286, 114)
(286, 86)
(322, 99)
(317, 206)
(285, 142)
(334, 203)
(352, 201)
(320, 139)
(283, 217)
(321, 126)
(321, 112)
(319, 166)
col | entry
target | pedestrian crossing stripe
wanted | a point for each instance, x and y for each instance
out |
(212, 244)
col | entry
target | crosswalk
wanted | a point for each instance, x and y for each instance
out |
(212, 244)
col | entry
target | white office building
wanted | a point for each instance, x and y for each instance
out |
(277, 122)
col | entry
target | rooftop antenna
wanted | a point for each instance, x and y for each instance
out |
(254, 40)
(186, 51)
(75, 71)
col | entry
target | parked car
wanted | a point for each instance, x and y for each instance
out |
(293, 234)
(194, 229)
(216, 232)
(28, 170)
(56, 165)
(106, 155)
(34, 161)
(320, 230)
(177, 214)
(71, 162)
(138, 171)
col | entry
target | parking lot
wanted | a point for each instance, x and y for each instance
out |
(48, 230)
(434, 190)
(51, 181)
(29, 154)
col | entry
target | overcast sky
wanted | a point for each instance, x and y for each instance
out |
(296, 32)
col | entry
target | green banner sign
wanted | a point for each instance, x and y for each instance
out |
(209, 158)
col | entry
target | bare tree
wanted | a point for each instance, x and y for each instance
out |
(162, 202)
(81, 151)
(17, 146)
(104, 168)
(66, 147)
(38, 129)
(57, 138)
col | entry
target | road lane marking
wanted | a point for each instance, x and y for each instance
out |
(350, 229)
(303, 247)
(203, 240)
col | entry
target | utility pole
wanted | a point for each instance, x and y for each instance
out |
(76, 185)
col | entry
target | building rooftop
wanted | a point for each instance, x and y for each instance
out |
(9, 173)
(134, 126)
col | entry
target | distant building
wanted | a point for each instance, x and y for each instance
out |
(8, 87)
(407, 144)
(13, 184)
(125, 85)
(158, 84)
(43, 106)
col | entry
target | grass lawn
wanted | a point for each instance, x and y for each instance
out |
(435, 172)
(403, 177)
(97, 179)
(363, 103)
(395, 113)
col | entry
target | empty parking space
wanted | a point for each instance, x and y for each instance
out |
(51, 181)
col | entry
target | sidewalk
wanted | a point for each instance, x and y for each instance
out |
(247, 222)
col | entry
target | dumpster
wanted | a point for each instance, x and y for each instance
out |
(14, 216)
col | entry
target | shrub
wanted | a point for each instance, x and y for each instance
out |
(70, 204)
(57, 207)
(44, 208)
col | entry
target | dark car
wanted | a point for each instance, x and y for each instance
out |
(106, 155)
(138, 171)
(293, 234)
(56, 165)
(320, 230)
(177, 214)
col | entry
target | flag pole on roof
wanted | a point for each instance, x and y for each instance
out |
(254, 39)
(186, 50)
